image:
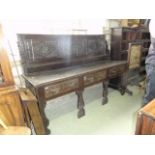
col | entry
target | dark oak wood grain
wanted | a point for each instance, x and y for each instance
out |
(55, 65)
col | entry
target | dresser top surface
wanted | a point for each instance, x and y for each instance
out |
(68, 72)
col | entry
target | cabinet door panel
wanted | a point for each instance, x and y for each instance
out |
(11, 111)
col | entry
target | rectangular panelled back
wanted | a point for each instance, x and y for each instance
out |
(46, 52)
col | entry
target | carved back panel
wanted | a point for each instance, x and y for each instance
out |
(46, 52)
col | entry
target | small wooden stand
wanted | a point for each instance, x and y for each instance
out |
(146, 120)
(31, 111)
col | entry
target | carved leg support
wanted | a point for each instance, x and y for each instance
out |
(124, 83)
(36, 118)
(42, 106)
(105, 92)
(80, 104)
(128, 91)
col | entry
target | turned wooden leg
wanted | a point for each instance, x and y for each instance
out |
(80, 103)
(123, 86)
(105, 92)
(42, 105)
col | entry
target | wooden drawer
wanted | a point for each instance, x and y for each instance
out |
(101, 75)
(88, 79)
(94, 77)
(61, 88)
(114, 71)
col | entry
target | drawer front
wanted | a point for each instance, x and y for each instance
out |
(52, 90)
(114, 71)
(101, 75)
(94, 77)
(89, 79)
(61, 87)
(70, 85)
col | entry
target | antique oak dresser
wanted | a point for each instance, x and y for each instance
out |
(55, 65)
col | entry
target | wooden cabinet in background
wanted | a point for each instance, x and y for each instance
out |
(17, 108)
(131, 22)
(121, 38)
(11, 111)
(6, 77)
